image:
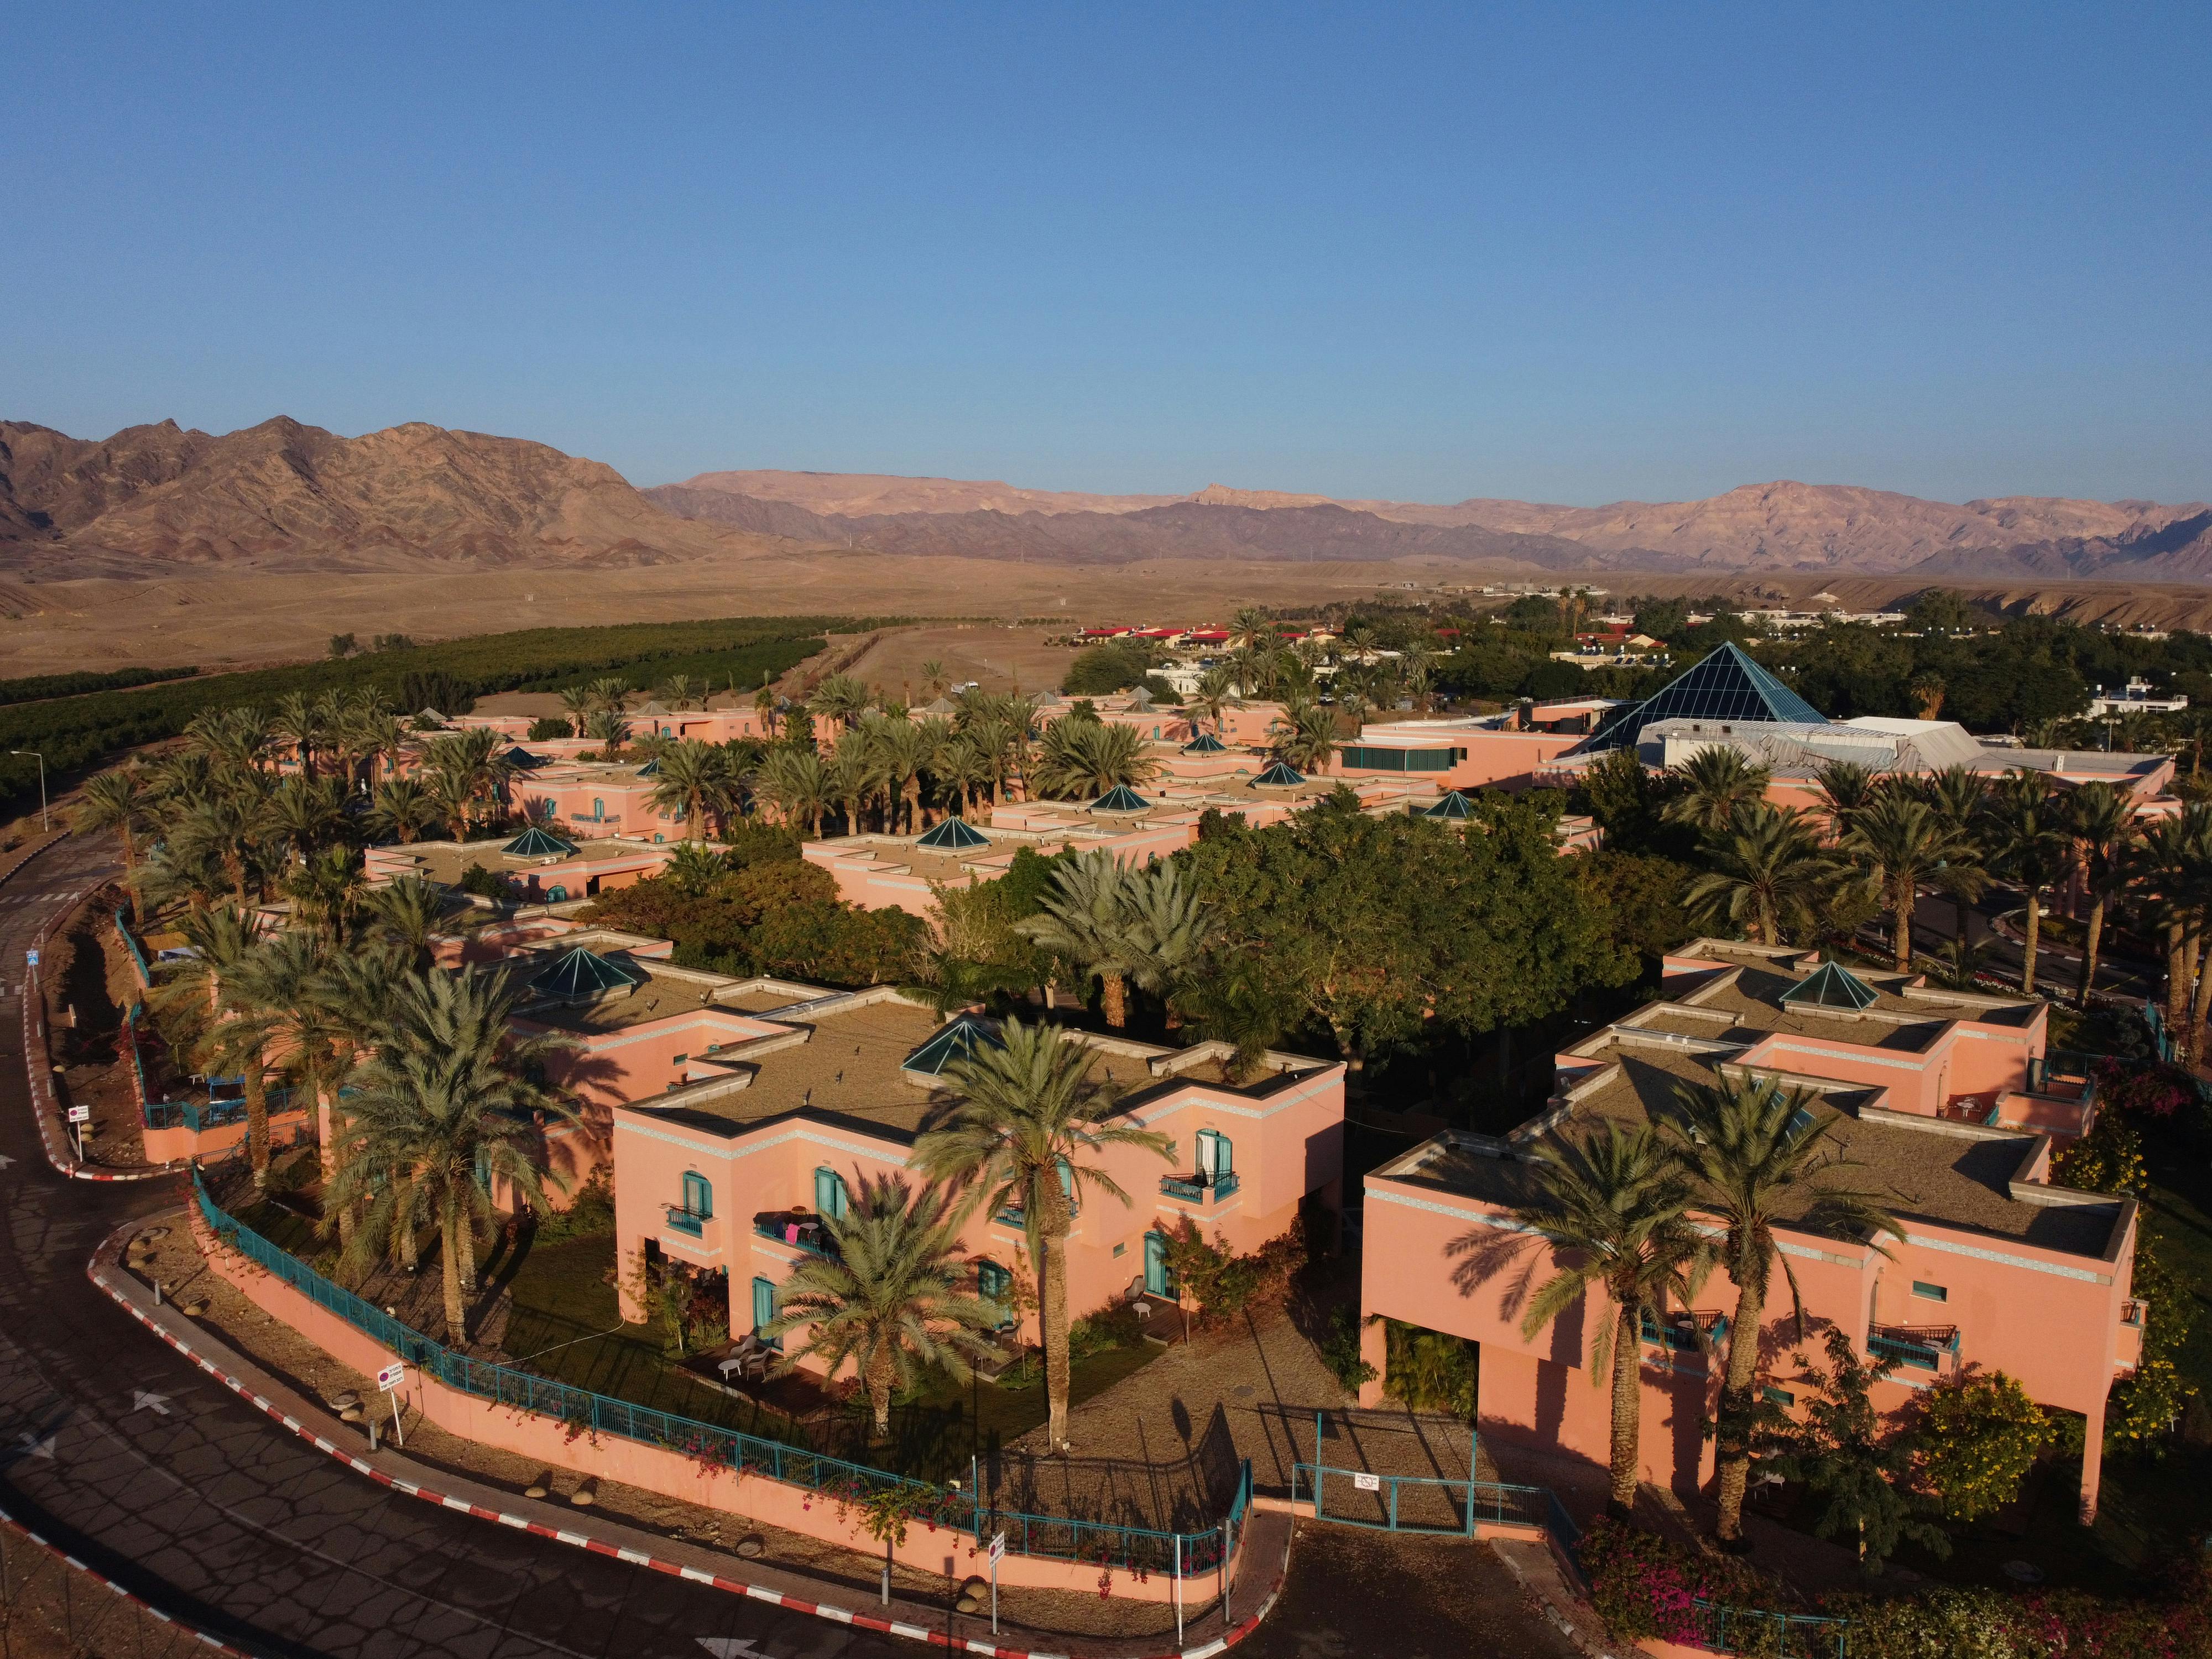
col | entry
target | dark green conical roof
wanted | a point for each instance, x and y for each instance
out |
(956, 1041)
(1206, 744)
(1832, 985)
(1120, 798)
(953, 836)
(581, 973)
(537, 843)
(1282, 775)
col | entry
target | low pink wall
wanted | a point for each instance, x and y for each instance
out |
(653, 1468)
(168, 1145)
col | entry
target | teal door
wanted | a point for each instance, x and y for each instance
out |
(1159, 1281)
(763, 1303)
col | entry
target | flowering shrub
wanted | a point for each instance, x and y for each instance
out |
(1643, 1585)
(1979, 1440)
(2144, 1089)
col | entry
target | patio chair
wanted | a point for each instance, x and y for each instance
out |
(748, 1352)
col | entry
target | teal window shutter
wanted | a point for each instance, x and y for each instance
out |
(1215, 1156)
(831, 1197)
(763, 1302)
(698, 1196)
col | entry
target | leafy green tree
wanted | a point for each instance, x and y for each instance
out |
(1978, 1438)
(1758, 1155)
(1614, 1209)
(891, 1299)
(1640, 896)
(549, 728)
(1845, 1452)
(1022, 1131)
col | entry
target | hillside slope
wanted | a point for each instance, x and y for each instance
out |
(285, 493)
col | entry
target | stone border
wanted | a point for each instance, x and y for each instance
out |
(139, 1601)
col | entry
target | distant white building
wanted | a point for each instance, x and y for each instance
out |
(2134, 698)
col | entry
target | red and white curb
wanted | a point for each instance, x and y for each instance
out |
(214, 1644)
(600, 1546)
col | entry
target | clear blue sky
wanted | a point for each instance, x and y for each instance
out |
(1568, 253)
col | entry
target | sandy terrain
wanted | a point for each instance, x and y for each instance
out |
(246, 618)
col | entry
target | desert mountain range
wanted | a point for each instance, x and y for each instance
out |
(286, 495)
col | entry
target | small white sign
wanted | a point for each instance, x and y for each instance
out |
(1368, 1482)
(998, 1548)
(392, 1375)
(31, 957)
(80, 1115)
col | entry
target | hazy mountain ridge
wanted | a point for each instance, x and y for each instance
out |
(1781, 526)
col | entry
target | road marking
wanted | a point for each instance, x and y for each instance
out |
(5, 1160)
(142, 1402)
(731, 1647)
(29, 1446)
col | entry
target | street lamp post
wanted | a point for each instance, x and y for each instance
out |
(45, 823)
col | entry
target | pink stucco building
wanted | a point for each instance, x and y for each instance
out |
(1950, 1108)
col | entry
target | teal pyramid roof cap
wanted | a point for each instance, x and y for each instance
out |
(1831, 985)
(1206, 744)
(1454, 808)
(581, 973)
(956, 1041)
(1280, 776)
(1725, 685)
(1120, 798)
(651, 769)
(537, 843)
(521, 759)
(953, 836)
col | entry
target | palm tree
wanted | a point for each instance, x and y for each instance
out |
(2102, 823)
(304, 812)
(405, 913)
(325, 891)
(1767, 865)
(2028, 846)
(1717, 783)
(610, 694)
(889, 1297)
(902, 749)
(694, 781)
(402, 809)
(118, 800)
(764, 707)
(1902, 843)
(962, 771)
(1213, 697)
(840, 697)
(680, 692)
(232, 1032)
(578, 703)
(1251, 629)
(2177, 857)
(797, 784)
(442, 1112)
(933, 680)
(1304, 735)
(1846, 789)
(1615, 1210)
(285, 979)
(1172, 929)
(1955, 795)
(300, 723)
(1089, 757)
(607, 729)
(1022, 1129)
(1759, 1156)
(1088, 918)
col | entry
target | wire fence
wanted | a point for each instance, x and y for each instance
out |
(1760, 1634)
(1056, 1537)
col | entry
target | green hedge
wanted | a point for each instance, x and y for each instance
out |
(36, 688)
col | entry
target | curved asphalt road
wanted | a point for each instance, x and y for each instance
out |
(204, 1509)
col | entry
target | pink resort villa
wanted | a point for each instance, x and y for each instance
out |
(1949, 1106)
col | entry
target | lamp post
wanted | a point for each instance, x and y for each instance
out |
(45, 823)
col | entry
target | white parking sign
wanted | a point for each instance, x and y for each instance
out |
(392, 1375)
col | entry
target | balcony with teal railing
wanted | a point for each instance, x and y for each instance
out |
(1201, 1189)
(690, 1223)
(1685, 1332)
(1917, 1347)
(799, 1229)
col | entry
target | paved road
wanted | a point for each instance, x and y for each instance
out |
(156, 1476)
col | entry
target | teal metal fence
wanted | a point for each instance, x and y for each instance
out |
(1753, 1630)
(1055, 1537)
(138, 956)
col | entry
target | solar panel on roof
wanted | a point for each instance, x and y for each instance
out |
(1726, 685)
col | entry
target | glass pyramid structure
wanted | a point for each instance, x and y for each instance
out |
(521, 759)
(1727, 685)
(537, 843)
(953, 836)
(1830, 985)
(1281, 775)
(1206, 744)
(956, 1041)
(1120, 798)
(1454, 808)
(581, 973)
